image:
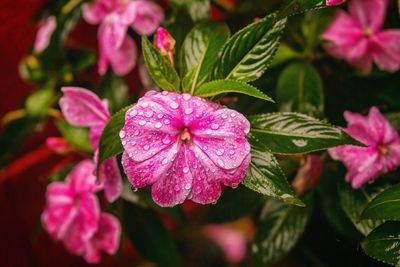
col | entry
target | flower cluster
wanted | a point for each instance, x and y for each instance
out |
(357, 37)
(115, 17)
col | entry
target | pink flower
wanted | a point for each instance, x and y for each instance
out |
(81, 107)
(115, 17)
(184, 146)
(165, 44)
(358, 38)
(232, 242)
(334, 2)
(44, 34)
(382, 154)
(58, 145)
(72, 215)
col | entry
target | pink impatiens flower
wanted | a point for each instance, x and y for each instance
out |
(81, 107)
(115, 17)
(358, 38)
(72, 215)
(184, 146)
(382, 154)
(44, 34)
(334, 2)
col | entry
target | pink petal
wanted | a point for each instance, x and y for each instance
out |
(81, 107)
(95, 134)
(173, 185)
(358, 128)
(82, 178)
(369, 13)
(380, 128)
(144, 16)
(334, 2)
(44, 34)
(386, 50)
(111, 179)
(105, 239)
(95, 12)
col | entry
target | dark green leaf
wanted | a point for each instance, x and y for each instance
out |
(197, 9)
(354, 202)
(385, 206)
(291, 7)
(294, 133)
(162, 72)
(246, 55)
(149, 236)
(230, 86)
(266, 177)
(110, 143)
(233, 205)
(76, 136)
(383, 243)
(200, 51)
(300, 90)
(280, 228)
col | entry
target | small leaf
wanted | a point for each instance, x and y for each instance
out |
(110, 143)
(200, 51)
(38, 103)
(149, 236)
(385, 206)
(266, 177)
(383, 243)
(230, 86)
(292, 7)
(354, 202)
(246, 55)
(76, 136)
(162, 72)
(279, 230)
(294, 133)
(300, 90)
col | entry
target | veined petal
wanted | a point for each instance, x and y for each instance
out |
(82, 178)
(43, 36)
(386, 50)
(344, 30)
(380, 128)
(369, 13)
(111, 179)
(81, 107)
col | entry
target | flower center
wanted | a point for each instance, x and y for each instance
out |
(185, 135)
(383, 150)
(368, 32)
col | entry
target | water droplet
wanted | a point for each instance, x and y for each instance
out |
(188, 111)
(136, 133)
(177, 188)
(145, 104)
(214, 126)
(123, 142)
(164, 93)
(166, 121)
(220, 152)
(134, 189)
(300, 142)
(188, 186)
(186, 97)
(133, 113)
(158, 125)
(160, 116)
(122, 134)
(232, 152)
(142, 122)
(224, 116)
(174, 105)
(165, 161)
(205, 147)
(185, 170)
(146, 147)
(166, 140)
(220, 163)
(148, 114)
(133, 143)
(233, 115)
(197, 190)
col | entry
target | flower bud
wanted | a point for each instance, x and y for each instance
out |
(334, 2)
(58, 145)
(308, 175)
(165, 44)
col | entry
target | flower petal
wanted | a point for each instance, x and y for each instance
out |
(111, 179)
(81, 107)
(173, 185)
(82, 178)
(369, 13)
(44, 34)
(380, 128)
(386, 50)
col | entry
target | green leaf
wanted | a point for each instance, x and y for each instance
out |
(197, 9)
(115, 90)
(279, 229)
(300, 90)
(266, 177)
(383, 243)
(76, 136)
(246, 55)
(110, 143)
(218, 87)
(284, 54)
(385, 206)
(354, 202)
(38, 103)
(234, 204)
(292, 7)
(294, 133)
(200, 51)
(149, 236)
(162, 72)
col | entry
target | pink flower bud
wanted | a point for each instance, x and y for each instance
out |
(58, 145)
(308, 175)
(334, 2)
(165, 43)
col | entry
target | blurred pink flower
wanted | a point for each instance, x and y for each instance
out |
(81, 107)
(334, 2)
(232, 242)
(115, 17)
(72, 215)
(44, 34)
(382, 154)
(358, 38)
(184, 146)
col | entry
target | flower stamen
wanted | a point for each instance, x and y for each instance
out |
(185, 135)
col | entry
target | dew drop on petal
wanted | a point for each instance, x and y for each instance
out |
(142, 122)
(123, 142)
(148, 114)
(166, 140)
(214, 126)
(158, 125)
(122, 134)
(166, 121)
(165, 161)
(220, 152)
(220, 163)
(205, 147)
(133, 113)
(145, 104)
(188, 186)
(174, 105)
(160, 116)
(233, 115)
(186, 97)
(224, 116)
(186, 170)
(177, 188)
(231, 152)
(188, 111)
(146, 147)
(136, 133)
